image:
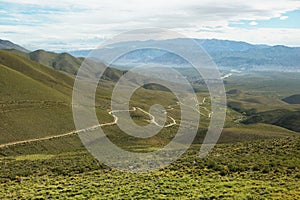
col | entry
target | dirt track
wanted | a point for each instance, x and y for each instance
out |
(89, 128)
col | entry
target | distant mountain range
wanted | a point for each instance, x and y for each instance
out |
(225, 53)
(210, 45)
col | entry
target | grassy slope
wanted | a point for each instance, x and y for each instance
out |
(272, 84)
(36, 71)
(35, 100)
(264, 169)
(40, 98)
(260, 98)
(16, 86)
(63, 62)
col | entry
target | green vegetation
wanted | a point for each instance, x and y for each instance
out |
(261, 98)
(267, 84)
(257, 155)
(63, 62)
(34, 101)
(283, 118)
(262, 169)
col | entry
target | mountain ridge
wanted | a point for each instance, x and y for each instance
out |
(6, 44)
(225, 53)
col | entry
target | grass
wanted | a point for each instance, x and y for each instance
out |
(63, 61)
(45, 75)
(280, 117)
(34, 100)
(248, 170)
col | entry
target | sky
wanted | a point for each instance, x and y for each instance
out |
(67, 25)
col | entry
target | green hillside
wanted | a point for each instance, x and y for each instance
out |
(15, 86)
(35, 100)
(281, 117)
(38, 72)
(63, 61)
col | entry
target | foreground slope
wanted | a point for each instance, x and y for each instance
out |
(250, 170)
(35, 100)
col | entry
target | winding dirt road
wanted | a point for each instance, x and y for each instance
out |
(152, 120)
(90, 128)
(115, 121)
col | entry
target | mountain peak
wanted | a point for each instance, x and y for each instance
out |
(281, 47)
(6, 44)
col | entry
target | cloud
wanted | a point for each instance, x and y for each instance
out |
(253, 23)
(270, 36)
(283, 17)
(75, 23)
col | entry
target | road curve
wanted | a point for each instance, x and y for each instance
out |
(115, 121)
